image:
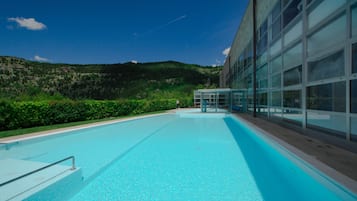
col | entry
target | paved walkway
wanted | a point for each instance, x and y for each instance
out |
(339, 159)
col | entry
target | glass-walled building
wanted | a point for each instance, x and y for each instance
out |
(212, 100)
(304, 60)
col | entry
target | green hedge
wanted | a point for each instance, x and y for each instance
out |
(14, 115)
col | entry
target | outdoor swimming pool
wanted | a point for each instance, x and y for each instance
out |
(179, 157)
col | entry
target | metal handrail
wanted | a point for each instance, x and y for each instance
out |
(37, 170)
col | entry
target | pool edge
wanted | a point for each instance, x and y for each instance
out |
(347, 184)
(30, 136)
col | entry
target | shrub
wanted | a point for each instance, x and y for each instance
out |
(6, 110)
(14, 115)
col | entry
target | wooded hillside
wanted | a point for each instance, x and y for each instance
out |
(27, 80)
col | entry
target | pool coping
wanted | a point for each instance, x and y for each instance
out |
(336, 175)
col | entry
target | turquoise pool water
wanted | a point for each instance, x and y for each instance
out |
(182, 157)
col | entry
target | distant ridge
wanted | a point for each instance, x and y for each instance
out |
(22, 79)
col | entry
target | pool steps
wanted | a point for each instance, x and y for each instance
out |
(40, 185)
(54, 183)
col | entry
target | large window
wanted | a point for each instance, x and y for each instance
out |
(262, 72)
(293, 56)
(328, 37)
(332, 122)
(264, 27)
(262, 59)
(354, 128)
(285, 2)
(331, 66)
(354, 20)
(276, 11)
(354, 58)
(275, 48)
(293, 115)
(292, 98)
(262, 42)
(276, 21)
(262, 98)
(276, 65)
(276, 98)
(293, 76)
(328, 97)
(354, 96)
(248, 56)
(240, 66)
(276, 81)
(294, 33)
(291, 11)
(322, 10)
(262, 80)
(248, 81)
(276, 28)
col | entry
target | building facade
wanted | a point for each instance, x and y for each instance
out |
(303, 59)
(212, 100)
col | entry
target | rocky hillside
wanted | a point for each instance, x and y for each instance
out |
(23, 80)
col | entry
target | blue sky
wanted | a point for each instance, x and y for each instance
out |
(92, 31)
